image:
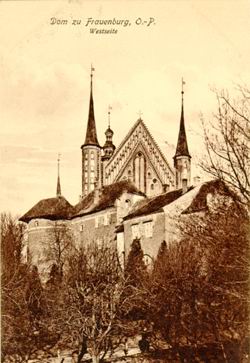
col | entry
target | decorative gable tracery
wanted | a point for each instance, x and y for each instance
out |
(126, 157)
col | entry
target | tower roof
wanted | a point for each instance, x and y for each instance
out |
(50, 208)
(58, 187)
(108, 195)
(91, 134)
(182, 145)
(109, 132)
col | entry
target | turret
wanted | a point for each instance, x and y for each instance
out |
(108, 147)
(91, 150)
(182, 158)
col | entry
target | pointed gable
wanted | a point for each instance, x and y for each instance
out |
(139, 158)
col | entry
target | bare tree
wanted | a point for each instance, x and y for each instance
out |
(199, 293)
(12, 244)
(24, 315)
(60, 246)
(135, 291)
(13, 279)
(227, 138)
(92, 296)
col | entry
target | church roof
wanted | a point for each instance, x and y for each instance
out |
(50, 208)
(107, 198)
(195, 199)
(91, 134)
(155, 204)
(199, 201)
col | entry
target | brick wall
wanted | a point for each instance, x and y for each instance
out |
(97, 227)
(150, 244)
(41, 236)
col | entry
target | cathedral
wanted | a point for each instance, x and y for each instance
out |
(137, 159)
(124, 192)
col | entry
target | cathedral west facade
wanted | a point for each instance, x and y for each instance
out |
(124, 191)
(137, 159)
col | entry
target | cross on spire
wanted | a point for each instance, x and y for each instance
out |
(139, 113)
(109, 109)
(91, 71)
(182, 88)
(58, 160)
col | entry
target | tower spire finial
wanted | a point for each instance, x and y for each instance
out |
(140, 113)
(109, 112)
(182, 93)
(182, 99)
(58, 188)
(92, 69)
(182, 86)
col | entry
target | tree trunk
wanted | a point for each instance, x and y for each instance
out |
(96, 358)
(84, 349)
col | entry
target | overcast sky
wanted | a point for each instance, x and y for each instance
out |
(44, 88)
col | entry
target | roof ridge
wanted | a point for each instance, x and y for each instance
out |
(124, 140)
(162, 155)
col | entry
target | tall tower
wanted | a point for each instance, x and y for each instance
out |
(91, 150)
(182, 158)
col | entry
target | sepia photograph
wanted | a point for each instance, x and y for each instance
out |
(125, 181)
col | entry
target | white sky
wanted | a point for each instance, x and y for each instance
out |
(44, 88)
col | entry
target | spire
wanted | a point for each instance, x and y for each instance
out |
(182, 146)
(91, 135)
(108, 147)
(58, 187)
(109, 132)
